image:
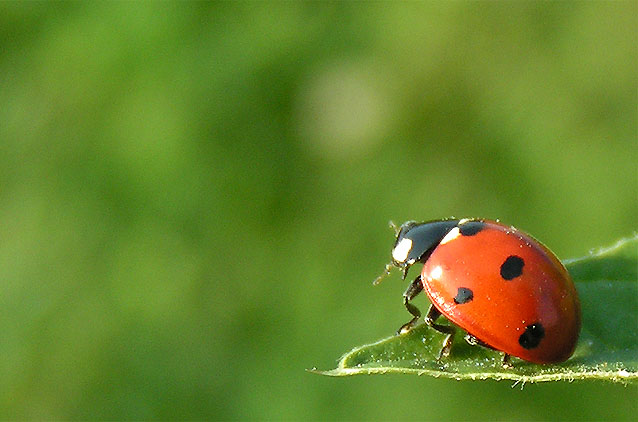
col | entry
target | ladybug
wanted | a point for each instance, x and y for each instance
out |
(504, 288)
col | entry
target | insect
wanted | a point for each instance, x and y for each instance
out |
(504, 288)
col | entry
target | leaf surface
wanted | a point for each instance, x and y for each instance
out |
(607, 283)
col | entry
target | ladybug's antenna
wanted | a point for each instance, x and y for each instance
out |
(388, 267)
(384, 274)
(394, 227)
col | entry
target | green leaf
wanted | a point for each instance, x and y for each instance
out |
(607, 283)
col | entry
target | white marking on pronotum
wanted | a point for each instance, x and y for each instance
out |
(452, 234)
(401, 251)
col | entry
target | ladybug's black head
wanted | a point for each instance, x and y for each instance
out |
(416, 241)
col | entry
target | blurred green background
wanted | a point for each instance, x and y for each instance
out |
(194, 197)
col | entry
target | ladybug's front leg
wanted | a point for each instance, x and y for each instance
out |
(411, 292)
(432, 316)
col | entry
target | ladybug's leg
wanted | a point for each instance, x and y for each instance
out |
(507, 363)
(473, 341)
(432, 316)
(411, 292)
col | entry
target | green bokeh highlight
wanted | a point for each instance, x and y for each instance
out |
(194, 197)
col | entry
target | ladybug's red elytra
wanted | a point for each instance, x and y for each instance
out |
(500, 285)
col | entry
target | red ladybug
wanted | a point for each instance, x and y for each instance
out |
(507, 290)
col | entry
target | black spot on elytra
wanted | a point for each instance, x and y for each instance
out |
(463, 295)
(512, 267)
(471, 228)
(532, 336)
